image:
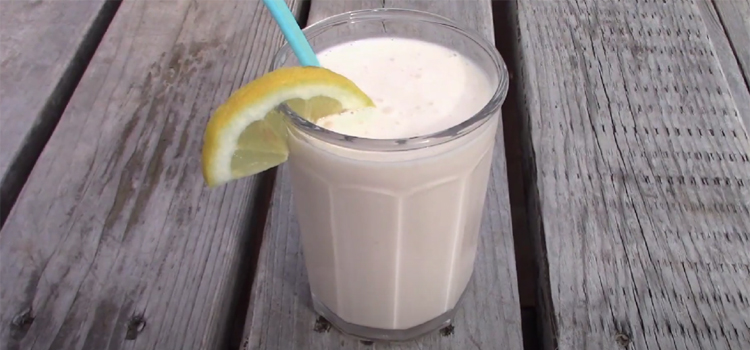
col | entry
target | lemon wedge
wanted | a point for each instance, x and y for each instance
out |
(247, 135)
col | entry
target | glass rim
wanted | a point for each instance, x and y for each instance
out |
(409, 143)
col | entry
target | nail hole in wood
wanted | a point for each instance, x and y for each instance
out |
(322, 325)
(447, 330)
(622, 339)
(22, 321)
(136, 324)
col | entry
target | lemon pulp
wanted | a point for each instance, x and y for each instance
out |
(247, 135)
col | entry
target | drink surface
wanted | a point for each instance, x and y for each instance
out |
(418, 87)
(390, 238)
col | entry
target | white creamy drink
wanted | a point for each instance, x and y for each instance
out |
(390, 237)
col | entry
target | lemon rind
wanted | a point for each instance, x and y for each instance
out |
(233, 117)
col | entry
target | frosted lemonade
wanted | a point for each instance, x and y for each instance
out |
(389, 151)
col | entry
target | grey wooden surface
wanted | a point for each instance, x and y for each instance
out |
(735, 18)
(116, 242)
(639, 175)
(280, 314)
(728, 25)
(44, 47)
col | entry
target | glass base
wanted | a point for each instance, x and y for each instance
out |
(377, 334)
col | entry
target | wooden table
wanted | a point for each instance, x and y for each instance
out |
(635, 128)
(627, 159)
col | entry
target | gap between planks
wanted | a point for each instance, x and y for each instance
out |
(34, 120)
(119, 243)
(639, 207)
(734, 16)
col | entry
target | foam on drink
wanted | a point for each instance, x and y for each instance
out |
(418, 87)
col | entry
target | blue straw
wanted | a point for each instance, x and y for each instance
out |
(293, 34)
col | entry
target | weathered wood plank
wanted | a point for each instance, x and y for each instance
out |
(639, 173)
(281, 315)
(735, 18)
(115, 221)
(728, 25)
(44, 48)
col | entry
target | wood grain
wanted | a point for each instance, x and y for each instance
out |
(735, 17)
(44, 48)
(728, 24)
(639, 176)
(116, 242)
(281, 315)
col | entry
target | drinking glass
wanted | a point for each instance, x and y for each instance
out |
(389, 227)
